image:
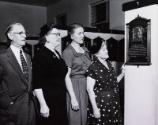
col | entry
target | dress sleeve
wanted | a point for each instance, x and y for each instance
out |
(38, 72)
(68, 57)
(91, 72)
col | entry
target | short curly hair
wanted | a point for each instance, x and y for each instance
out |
(96, 46)
(45, 29)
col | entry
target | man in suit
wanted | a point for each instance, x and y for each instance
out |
(16, 105)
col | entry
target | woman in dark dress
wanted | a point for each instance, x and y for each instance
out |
(49, 72)
(103, 88)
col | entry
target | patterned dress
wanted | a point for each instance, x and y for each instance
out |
(106, 90)
(78, 62)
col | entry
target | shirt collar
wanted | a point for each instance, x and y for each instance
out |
(14, 48)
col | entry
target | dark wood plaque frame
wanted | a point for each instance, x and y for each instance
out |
(138, 47)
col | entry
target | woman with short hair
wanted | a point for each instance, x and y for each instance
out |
(77, 59)
(49, 71)
(103, 88)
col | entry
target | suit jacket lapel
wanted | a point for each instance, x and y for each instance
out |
(13, 61)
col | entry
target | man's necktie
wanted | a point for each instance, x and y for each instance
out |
(24, 66)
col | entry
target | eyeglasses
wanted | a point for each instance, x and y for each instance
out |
(57, 34)
(20, 33)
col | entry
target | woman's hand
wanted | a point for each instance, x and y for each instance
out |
(69, 86)
(96, 113)
(74, 104)
(44, 111)
(123, 70)
(119, 78)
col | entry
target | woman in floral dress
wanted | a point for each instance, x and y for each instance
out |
(103, 88)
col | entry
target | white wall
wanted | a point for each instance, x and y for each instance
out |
(141, 82)
(116, 14)
(32, 17)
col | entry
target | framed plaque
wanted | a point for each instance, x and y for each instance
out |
(138, 47)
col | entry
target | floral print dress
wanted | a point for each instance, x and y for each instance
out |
(106, 90)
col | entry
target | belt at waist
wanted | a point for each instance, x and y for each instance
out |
(78, 76)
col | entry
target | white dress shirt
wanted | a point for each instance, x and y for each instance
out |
(16, 51)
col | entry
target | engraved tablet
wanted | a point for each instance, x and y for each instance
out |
(138, 42)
